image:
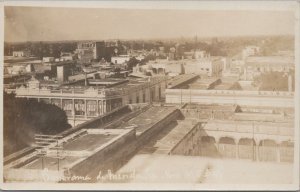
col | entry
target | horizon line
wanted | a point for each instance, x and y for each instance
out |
(158, 38)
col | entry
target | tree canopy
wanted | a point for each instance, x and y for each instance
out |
(25, 117)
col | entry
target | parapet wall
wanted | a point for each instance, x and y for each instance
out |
(247, 98)
(186, 144)
(108, 157)
(229, 92)
(157, 127)
(98, 121)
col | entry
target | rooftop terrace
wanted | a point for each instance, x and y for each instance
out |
(74, 148)
(88, 142)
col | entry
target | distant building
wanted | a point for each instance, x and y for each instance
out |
(48, 59)
(141, 71)
(195, 54)
(208, 66)
(200, 54)
(234, 66)
(87, 51)
(113, 43)
(250, 51)
(164, 66)
(63, 72)
(212, 91)
(204, 66)
(19, 69)
(21, 53)
(121, 59)
(85, 102)
(33, 84)
(172, 54)
(29, 68)
(256, 65)
(64, 56)
(189, 55)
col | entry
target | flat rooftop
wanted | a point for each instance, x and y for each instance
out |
(189, 81)
(76, 148)
(182, 80)
(247, 124)
(50, 163)
(147, 119)
(175, 136)
(131, 82)
(202, 83)
(127, 83)
(108, 82)
(20, 60)
(81, 76)
(88, 142)
(225, 107)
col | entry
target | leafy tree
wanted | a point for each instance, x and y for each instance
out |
(23, 118)
(132, 63)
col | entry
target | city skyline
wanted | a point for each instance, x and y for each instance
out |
(175, 94)
(57, 24)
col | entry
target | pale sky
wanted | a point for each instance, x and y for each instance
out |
(51, 24)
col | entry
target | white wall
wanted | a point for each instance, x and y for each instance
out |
(119, 60)
(248, 98)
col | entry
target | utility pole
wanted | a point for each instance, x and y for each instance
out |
(44, 142)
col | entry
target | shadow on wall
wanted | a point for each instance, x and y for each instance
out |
(207, 146)
(199, 143)
(245, 148)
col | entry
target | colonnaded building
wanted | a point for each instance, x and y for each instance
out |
(122, 119)
(103, 95)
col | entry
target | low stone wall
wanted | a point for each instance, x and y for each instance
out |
(187, 144)
(12, 157)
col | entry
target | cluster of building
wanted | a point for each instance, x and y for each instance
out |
(85, 91)
(251, 63)
(136, 134)
(202, 64)
(190, 104)
(101, 96)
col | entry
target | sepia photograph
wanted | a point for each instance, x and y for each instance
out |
(184, 95)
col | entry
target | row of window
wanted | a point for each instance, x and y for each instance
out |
(144, 97)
